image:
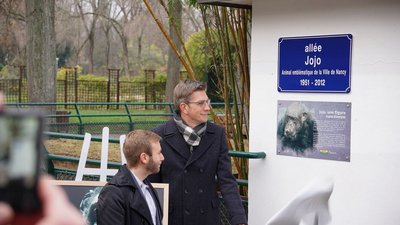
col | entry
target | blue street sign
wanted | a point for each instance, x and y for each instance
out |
(315, 63)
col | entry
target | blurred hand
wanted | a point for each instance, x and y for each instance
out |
(1, 101)
(57, 210)
(6, 213)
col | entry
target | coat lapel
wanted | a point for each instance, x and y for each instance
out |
(136, 200)
(174, 139)
(139, 204)
(157, 201)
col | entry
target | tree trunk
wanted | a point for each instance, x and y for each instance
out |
(91, 37)
(174, 65)
(41, 51)
(139, 53)
(108, 47)
(125, 55)
(90, 28)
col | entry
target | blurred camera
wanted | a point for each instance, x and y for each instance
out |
(20, 152)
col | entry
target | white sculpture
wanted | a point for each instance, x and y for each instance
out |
(309, 206)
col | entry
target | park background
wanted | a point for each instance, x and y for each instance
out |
(366, 188)
(57, 53)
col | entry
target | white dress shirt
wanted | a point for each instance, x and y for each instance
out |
(145, 190)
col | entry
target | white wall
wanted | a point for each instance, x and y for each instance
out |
(367, 189)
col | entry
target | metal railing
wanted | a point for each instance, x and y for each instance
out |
(232, 153)
(74, 117)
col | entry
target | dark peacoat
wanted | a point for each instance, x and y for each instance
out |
(194, 178)
(121, 202)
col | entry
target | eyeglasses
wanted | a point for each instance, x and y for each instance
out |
(201, 103)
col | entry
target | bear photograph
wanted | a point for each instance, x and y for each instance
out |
(314, 129)
(297, 130)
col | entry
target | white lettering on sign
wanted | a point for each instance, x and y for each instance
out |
(341, 72)
(313, 61)
(313, 47)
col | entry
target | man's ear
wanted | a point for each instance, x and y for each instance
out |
(183, 108)
(144, 158)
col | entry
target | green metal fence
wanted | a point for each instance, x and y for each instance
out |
(75, 118)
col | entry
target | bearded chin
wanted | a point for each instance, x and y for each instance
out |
(152, 166)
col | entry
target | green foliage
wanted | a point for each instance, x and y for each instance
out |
(5, 73)
(196, 47)
(91, 77)
(95, 85)
(88, 83)
(126, 78)
(9, 72)
(160, 77)
(63, 70)
(192, 3)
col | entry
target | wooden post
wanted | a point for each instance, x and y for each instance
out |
(76, 83)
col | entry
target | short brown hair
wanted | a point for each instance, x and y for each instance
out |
(138, 142)
(184, 89)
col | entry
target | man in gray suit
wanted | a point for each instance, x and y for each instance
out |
(196, 162)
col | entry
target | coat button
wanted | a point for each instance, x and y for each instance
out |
(187, 212)
(185, 171)
(202, 211)
(186, 191)
(200, 190)
(201, 170)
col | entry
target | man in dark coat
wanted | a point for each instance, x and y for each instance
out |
(129, 198)
(196, 162)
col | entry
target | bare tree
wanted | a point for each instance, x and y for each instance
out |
(194, 17)
(89, 19)
(41, 50)
(121, 27)
(70, 31)
(105, 9)
(174, 64)
(141, 24)
(129, 10)
(12, 32)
